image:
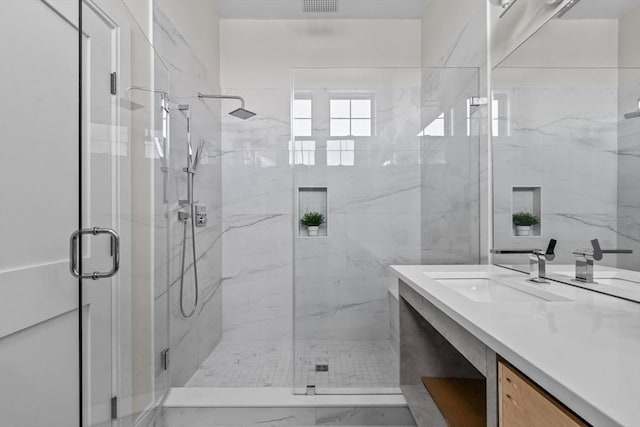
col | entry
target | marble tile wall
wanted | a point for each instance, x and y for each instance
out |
(455, 166)
(374, 220)
(628, 141)
(257, 227)
(563, 137)
(451, 163)
(191, 340)
(628, 159)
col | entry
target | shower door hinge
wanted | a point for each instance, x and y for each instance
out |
(164, 359)
(114, 408)
(114, 83)
(477, 101)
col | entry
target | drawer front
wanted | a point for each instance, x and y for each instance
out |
(523, 404)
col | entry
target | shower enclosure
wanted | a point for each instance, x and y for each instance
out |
(83, 152)
(389, 157)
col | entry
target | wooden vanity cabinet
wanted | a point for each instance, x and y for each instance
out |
(524, 404)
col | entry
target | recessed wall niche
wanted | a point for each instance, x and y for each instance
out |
(312, 199)
(527, 199)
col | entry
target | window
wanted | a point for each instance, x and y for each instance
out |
(303, 152)
(302, 122)
(435, 128)
(341, 152)
(495, 116)
(350, 117)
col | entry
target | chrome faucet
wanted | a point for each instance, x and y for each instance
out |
(537, 260)
(585, 258)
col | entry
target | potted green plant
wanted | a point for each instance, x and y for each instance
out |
(312, 220)
(523, 222)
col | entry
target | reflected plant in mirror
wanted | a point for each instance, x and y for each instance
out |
(523, 222)
(312, 220)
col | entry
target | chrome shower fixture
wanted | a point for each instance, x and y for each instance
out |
(633, 114)
(241, 113)
(188, 215)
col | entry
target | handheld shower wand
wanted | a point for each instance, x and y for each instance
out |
(186, 217)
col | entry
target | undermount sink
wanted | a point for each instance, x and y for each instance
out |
(480, 287)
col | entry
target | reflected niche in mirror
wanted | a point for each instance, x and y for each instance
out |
(570, 124)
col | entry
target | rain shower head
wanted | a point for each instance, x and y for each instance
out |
(241, 113)
(633, 114)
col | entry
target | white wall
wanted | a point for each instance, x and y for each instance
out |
(517, 25)
(260, 54)
(454, 33)
(569, 43)
(455, 166)
(558, 120)
(198, 23)
(256, 62)
(628, 136)
(186, 36)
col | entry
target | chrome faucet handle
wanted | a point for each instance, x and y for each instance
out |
(537, 259)
(585, 258)
(548, 254)
(598, 252)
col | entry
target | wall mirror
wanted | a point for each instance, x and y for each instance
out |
(566, 142)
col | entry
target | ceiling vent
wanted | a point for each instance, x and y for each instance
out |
(320, 5)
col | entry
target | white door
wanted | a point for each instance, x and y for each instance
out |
(39, 193)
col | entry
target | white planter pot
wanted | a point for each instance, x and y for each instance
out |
(523, 230)
(312, 230)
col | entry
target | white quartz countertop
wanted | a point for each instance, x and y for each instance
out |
(584, 350)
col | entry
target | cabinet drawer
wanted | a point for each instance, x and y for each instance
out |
(523, 404)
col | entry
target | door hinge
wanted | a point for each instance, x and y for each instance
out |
(477, 101)
(164, 359)
(114, 408)
(114, 83)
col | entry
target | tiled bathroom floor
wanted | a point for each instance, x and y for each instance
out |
(268, 364)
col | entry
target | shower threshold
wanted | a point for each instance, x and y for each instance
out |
(279, 407)
(278, 397)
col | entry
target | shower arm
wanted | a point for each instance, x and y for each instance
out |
(239, 98)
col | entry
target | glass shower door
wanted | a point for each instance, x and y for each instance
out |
(389, 158)
(124, 315)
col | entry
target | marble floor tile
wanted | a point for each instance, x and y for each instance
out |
(360, 364)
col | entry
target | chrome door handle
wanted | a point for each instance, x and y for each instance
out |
(73, 253)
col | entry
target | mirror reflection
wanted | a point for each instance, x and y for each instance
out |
(566, 147)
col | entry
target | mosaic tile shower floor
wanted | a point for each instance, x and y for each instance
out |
(269, 364)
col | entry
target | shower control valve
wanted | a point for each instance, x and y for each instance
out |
(201, 215)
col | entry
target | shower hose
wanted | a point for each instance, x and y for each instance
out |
(195, 268)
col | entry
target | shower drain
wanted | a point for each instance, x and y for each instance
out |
(322, 368)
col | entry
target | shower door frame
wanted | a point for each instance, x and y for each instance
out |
(475, 117)
(138, 381)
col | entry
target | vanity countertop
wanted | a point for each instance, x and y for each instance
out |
(584, 350)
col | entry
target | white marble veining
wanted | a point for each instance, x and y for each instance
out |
(341, 281)
(274, 406)
(191, 340)
(563, 138)
(583, 352)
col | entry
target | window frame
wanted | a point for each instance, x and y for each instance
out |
(352, 97)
